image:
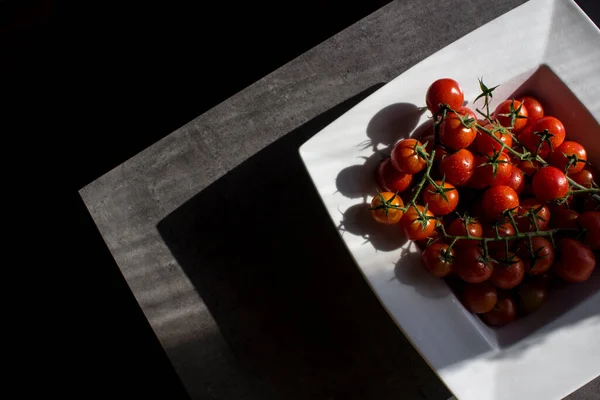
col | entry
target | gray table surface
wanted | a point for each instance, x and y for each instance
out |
(250, 296)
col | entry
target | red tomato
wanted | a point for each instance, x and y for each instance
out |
(457, 167)
(456, 135)
(530, 141)
(549, 183)
(459, 227)
(504, 229)
(466, 111)
(416, 228)
(471, 267)
(498, 199)
(503, 114)
(439, 205)
(390, 179)
(585, 177)
(504, 312)
(543, 255)
(542, 215)
(553, 126)
(405, 156)
(561, 156)
(517, 180)
(479, 297)
(437, 259)
(384, 208)
(444, 91)
(508, 272)
(484, 174)
(590, 221)
(529, 167)
(534, 108)
(487, 145)
(533, 294)
(576, 261)
(562, 217)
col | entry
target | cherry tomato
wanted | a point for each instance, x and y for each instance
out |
(459, 227)
(405, 157)
(529, 167)
(504, 229)
(504, 312)
(576, 261)
(559, 158)
(517, 180)
(392, 180)
(542, 215)
(457, 167)
(444, 91)
(532, 294)
(590, 204)
(550, 183)
(484, 174)
(466, 111)
(416, 228)
(498, 199)
(530, 141)
(543, 255)
(487, 145)
(562, 217)
(554, 127)
(454, 134)
(502, 114)
(585, 177)
(508, 272)
(590, 221)
(386, 213)
(471, 267)
(534, 108)
(439, 205)
(479, 297)
(437, 259)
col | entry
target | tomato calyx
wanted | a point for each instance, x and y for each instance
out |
(545, 137)
(510, 215)
(573, 160)
(440, 189)
(513, 113)
(507, 259)
(494, 160)
(386, 205)
(534, 216)
(534, 255)
(421, 151)
(422, 216)
(486, 94)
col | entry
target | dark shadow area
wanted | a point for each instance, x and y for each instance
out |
(358, 181)
(264, 256)
(410, 271)
(391, 124)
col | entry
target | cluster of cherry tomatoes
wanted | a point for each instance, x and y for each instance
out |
(500, 201)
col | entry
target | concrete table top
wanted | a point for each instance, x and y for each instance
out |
(225, 244)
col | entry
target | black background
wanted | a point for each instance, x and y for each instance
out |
(87, 85)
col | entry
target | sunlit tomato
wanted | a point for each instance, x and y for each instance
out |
(504, 229)
(504, 311)
(534, 108)
(590, 221)
(498, 199)
(416, 227)
(405, 156)
(457, 167)
(532, 294)
(485, 175)
(455, 134)
(561, 156)
(517, 180)
(466, 111)
(543, 254)
(471, 267)
(585, 177)
(550, 183)
(437, 259)
(479, 297)
(562, 217)
(576, 261)
(503, 114)
(553, 126)
(530, 207)
(459, 227)
(392, 180)
(439, 205)
(508, 271)
(487, 145)
(385, 208)
(444, 91)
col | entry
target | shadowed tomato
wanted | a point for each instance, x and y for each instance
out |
(406, 158)
(517, 180)
(466, 111)
(392, 180)
(415, 226)
(590, 221)
(459, 227)
(441, 200)
(385, 208)
(444, 91)
(532, 294)
(471, 267)
(504, 229)
(562, 217)
(457, 134)
(537, 255)
(491, 171)
(585, 177)
(437, 259)
(530, 142)
(529, 167)
(458, 167)
(534, 108)
(576, 261)
(508, 271)
(552, 126)
(530, 208)
(568, 153)
(487, 145)
(504, 311)
(549, 183)
(498, 199)
(479, 297)
(506, 109)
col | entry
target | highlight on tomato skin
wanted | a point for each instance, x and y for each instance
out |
(444, 91)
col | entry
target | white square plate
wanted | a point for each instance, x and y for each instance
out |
(548, 48)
